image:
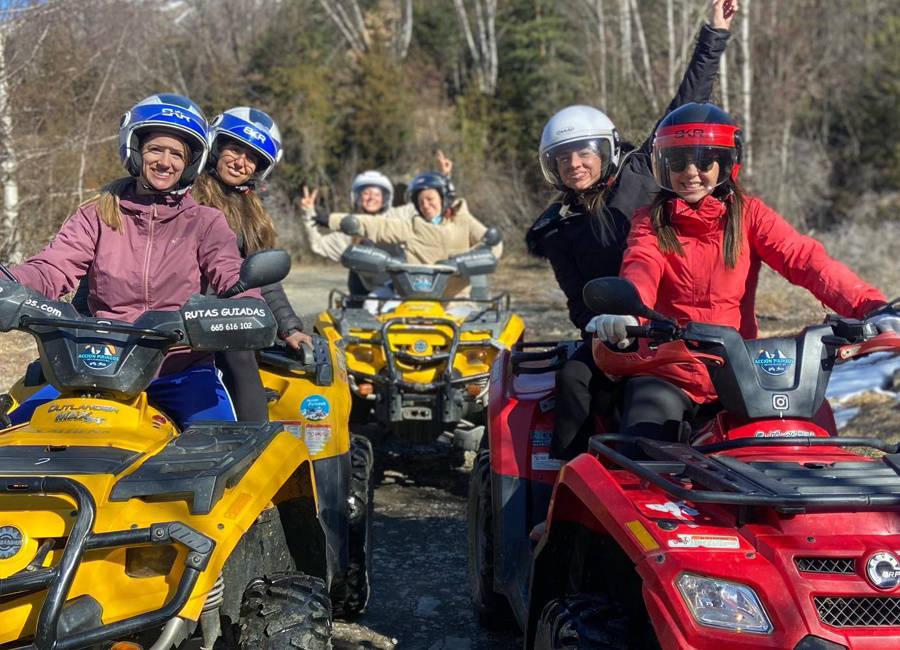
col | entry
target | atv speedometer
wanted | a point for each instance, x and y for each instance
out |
(723, 604)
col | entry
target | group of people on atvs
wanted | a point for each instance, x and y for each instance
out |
(670, 216)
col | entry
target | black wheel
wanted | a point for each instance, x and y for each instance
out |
(285, 610)
(492, 608)
(589, 622)
(350, 590)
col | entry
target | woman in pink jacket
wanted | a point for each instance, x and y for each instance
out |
(143, 243)
(695, 252)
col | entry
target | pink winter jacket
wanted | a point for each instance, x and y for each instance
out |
(168, 248)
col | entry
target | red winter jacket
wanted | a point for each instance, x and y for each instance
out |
(697, 286)
(167, 248)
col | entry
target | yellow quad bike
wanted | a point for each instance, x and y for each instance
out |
(422, 365)
(308, 392)
(117, 529)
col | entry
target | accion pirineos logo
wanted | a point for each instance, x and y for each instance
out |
(98, 356)
(773, 363)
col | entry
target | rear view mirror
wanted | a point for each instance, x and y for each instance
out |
(492, 236)
(350, 225)
(259, 269)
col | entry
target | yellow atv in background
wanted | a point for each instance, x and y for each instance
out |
(119, 530)
(421, 365)
(308, 392)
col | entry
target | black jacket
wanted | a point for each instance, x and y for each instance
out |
(567, 238)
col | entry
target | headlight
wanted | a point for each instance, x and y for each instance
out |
(723, 604)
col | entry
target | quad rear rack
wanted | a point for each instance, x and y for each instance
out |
(786, 486)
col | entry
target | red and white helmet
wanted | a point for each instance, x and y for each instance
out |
(696, 133)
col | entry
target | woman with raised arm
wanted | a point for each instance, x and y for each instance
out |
(694, 255)
(601, 181)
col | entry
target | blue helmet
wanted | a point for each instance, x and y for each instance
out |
(164, 112)
(250, 127)
(435, 181)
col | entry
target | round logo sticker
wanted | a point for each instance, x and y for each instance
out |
(883, 570)
(420, 346)
(773, 363)
(10, 541)
(315, 407)
(98, 356)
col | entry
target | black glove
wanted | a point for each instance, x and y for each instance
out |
(321, 219)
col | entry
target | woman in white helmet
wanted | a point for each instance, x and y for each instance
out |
(371, 193)
(601, 182)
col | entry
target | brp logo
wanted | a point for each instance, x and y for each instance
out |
(883, 570)
(10, 541)
(780, 402)
(253, 134)
(420, 346)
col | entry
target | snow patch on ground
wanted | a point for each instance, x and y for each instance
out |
(870, 373)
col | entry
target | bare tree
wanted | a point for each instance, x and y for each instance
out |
(747, 88)
(625, 35)
(647, 84)
(390, 23)
(483, 44)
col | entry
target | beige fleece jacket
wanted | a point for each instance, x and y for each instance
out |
(425, 242)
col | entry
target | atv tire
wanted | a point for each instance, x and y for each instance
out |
(589, 622)
(350, 590)
(285, 610)
(492, 608)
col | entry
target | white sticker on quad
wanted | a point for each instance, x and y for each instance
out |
(316, 437)
(542, 461)
(704, 541)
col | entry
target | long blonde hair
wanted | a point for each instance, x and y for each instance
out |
(107, 201)
(244, 212)
(731, 193)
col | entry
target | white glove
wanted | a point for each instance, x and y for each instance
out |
(885, 323)
(611, 328)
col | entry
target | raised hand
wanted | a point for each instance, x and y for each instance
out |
(721, 12)
(308, 199)
(445, 165)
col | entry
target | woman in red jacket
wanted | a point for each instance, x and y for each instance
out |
(694, 254)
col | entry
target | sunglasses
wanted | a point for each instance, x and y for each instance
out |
(678, 162)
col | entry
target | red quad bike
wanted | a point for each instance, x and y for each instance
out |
(762, 529)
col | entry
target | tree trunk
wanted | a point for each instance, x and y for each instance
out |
(625, 31)
(747, 89)
(645, 58)
(9, 225)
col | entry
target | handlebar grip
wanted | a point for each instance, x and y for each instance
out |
(637, 331)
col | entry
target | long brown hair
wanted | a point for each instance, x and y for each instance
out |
(730, 192)
(243, 211)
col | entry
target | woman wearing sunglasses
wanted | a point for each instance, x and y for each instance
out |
(694, 254)
(583, 231)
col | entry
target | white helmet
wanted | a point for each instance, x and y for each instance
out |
(371, 178)
(579, 124)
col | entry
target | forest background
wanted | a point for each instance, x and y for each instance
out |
(360, 84)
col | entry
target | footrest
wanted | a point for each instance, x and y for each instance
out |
(198, 464)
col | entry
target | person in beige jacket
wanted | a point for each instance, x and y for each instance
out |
(441, 227)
